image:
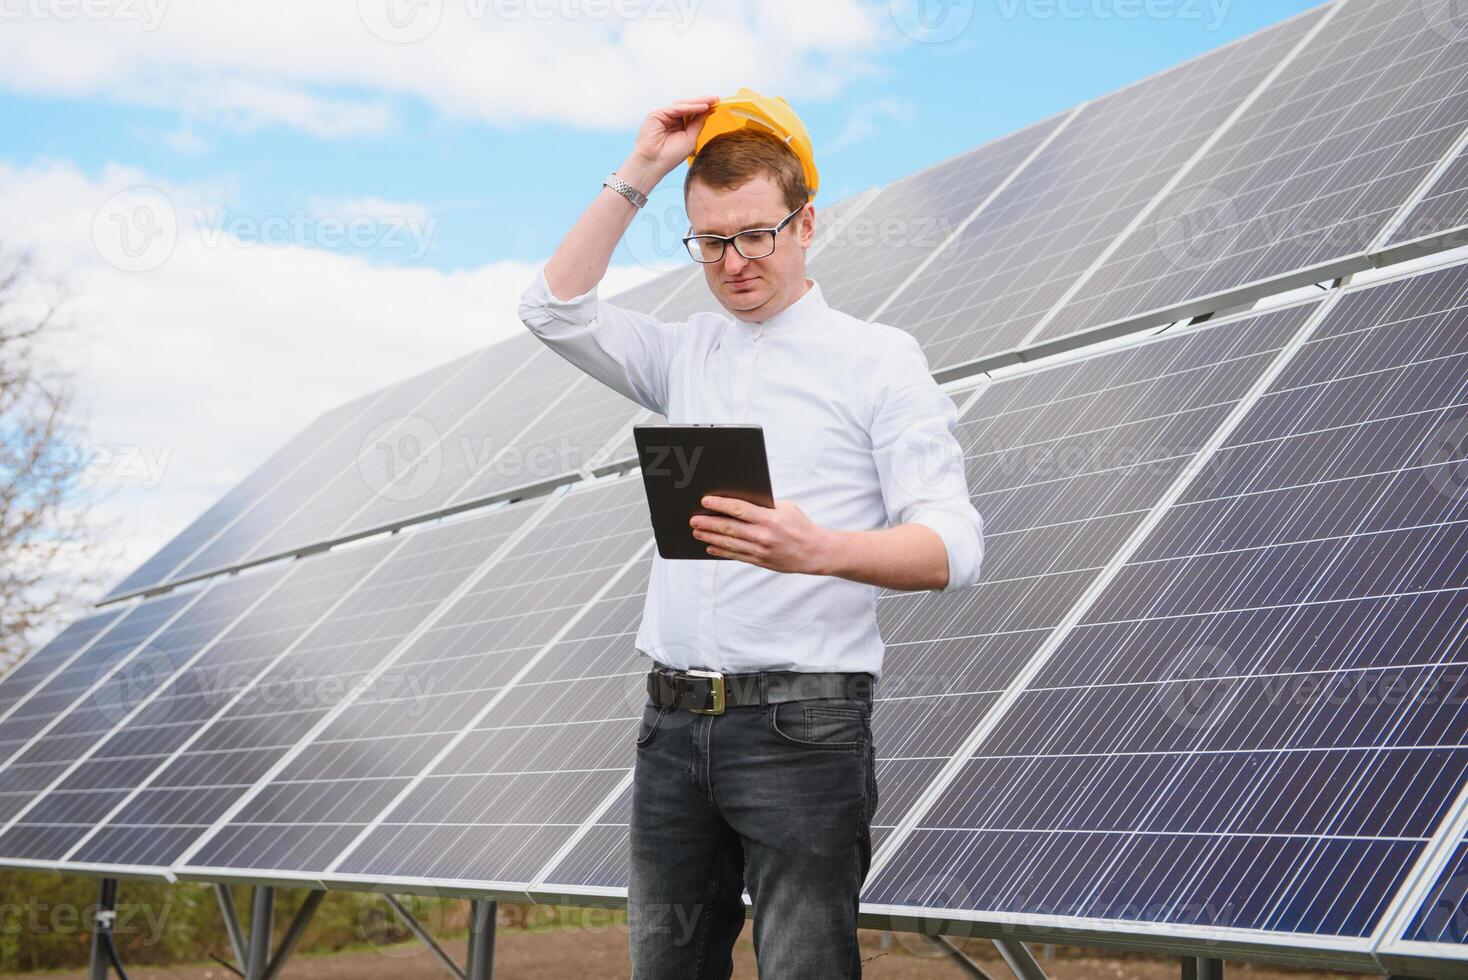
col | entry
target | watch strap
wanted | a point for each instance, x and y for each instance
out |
(619, 185)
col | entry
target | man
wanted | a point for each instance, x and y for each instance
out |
(774, 789)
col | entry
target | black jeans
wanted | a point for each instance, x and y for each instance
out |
(778, 798)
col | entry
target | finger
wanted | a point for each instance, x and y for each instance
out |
(735, 507)
(751, 559)
(738, 546)
(740, 531)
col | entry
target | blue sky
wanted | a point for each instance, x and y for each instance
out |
(354, 197)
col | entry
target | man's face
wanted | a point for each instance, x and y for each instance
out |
(752, 290)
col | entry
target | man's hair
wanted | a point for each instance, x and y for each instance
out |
(730, 159)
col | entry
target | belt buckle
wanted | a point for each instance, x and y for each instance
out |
(716, 691)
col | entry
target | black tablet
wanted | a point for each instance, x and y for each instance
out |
(682, 462)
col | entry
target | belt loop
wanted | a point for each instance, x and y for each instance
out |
(764, 688)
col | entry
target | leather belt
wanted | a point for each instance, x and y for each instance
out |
(709, 692)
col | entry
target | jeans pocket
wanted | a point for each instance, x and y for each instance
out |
(823, 723)
(652, 717)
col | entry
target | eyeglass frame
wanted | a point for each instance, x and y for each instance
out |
(727, 240)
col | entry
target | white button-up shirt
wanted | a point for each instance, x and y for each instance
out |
(857, 432)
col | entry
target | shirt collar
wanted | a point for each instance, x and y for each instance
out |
(807, 309)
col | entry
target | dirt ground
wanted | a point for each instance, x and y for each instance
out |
(602, 953)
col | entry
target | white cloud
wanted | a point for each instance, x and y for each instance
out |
(194, 371)
(336, 68)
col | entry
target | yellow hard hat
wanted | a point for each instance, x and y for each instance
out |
(748, 108)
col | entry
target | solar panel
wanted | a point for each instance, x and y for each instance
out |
(404, 464)
(1309, 176)
(338, 454)
(532, 658)
(648, 296)
(415, 467)
(1253, 729)
(222, 725)
(565, 437)
(1028, 246)
(306, 446)
(908, 222)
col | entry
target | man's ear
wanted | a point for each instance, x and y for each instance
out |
(807, 226)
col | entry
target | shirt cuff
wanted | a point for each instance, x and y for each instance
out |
(539, 307)
(963, 542)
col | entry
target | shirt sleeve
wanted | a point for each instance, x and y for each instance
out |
(627, 351)
(920, 463)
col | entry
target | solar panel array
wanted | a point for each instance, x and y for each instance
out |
(1267, 694)
(1207, 691)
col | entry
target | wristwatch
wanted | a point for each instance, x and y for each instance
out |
(619, 185)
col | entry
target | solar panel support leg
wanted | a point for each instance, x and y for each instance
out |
(958, 957)
(102, 930)
(1021, 961)
(482, 915)
(225, 898)
(293, 933)
(1202, 968)
(262, 913)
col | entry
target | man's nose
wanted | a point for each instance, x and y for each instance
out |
(734, 263)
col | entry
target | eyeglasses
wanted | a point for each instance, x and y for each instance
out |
(753, 243)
